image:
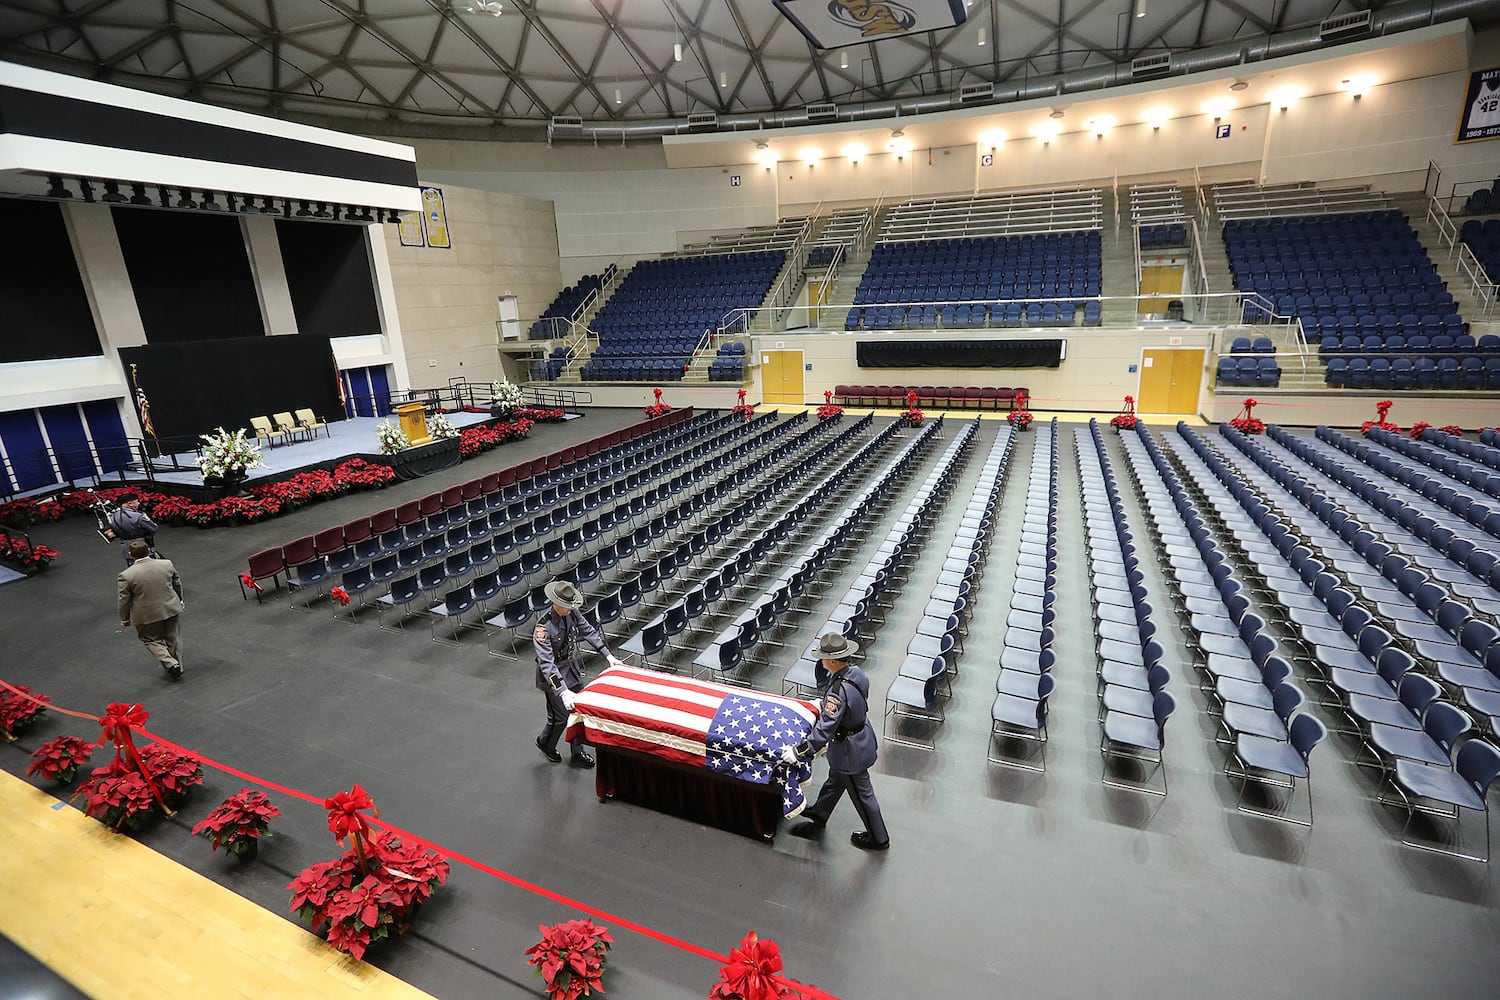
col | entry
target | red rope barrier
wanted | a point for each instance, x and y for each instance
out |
(811, 992)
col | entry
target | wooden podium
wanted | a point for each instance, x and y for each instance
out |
(413, 417)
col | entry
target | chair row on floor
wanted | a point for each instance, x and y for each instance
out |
(539, 485)
(1130, 679)
(703, 489)
(1441, 543)
(1482, 451)
(1413, 736)
(641, 523)
(915, 696)
(1024, 682)
(936, 396)
(867, 594)
(1455, 472)
(702, 601)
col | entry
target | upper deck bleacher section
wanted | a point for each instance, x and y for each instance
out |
(1010, 214)
(1245, 200)
(779, 237)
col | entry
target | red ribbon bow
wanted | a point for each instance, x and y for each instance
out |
(344, 816)
(658, 394)
(249, 581)
(341, 595)
(742, 397)
(752, 971)
(115, 727)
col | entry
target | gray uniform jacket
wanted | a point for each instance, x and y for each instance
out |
(556, 641)
(150, 591)
(843, 723)
(129, 524)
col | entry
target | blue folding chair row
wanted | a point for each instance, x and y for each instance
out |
(1412, 373)
(1019, 711)
(1469, 479)
(1482, 451)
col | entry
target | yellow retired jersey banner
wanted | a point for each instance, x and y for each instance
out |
(435, 217)
(409, 226)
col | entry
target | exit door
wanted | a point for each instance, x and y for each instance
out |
(1170, 380)
(781, 377)
(1159, 285)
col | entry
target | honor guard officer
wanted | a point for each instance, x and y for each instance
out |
(843, 727)
(129, 523)
(556, 638)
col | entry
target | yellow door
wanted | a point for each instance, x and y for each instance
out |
(817, 295)
(781, 377)
(1170, 380)
(1159, 285)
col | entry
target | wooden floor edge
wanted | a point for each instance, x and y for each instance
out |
(116, 919)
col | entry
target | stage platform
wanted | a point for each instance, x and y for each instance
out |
(354, 437)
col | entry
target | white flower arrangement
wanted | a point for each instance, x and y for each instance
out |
(392, 438)
(228, 453)
(507, 395)
(441, 427)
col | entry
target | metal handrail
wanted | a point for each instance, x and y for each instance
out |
(1135, 231)
(1447, 231)
(1480, 286)
(1197, 254)
(1204, 207)
(867, 231)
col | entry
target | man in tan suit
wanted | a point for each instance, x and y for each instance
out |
(151, 600)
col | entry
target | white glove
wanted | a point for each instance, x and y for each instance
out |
(568, 698)
(615, 661)
(790, 756)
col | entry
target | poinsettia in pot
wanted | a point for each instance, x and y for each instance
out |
(23, 555)
(1126, 419)
(742, 409)
(175, 772)
(59, 760)
(569, 959)
(118, 796)
(20, 708)
(1453, 429)
(658, 409)
(1382, 408)
(912, 416)
(1417, 429)
(238, 823)
(829, 410)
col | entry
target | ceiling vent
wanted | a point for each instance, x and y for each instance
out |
(1153, 65)
(974, 93)
(824, 112)
(703, 120)
(1333, 29)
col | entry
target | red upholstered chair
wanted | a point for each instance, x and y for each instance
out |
(1004, 394)
(884, 394)
(536, 467)
(357, 530)
(452, 497)
(973, 397)
(989, 398)
(409, 513)
(299, 552)
(490, 484)
(472, 489)
(382, 521)
(941, 397)
(329, 541)
(567, 456)
(927, 395)
(431, 504)
(841, 394)
(1020, 390)
(266, 565)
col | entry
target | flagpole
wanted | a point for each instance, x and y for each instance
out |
(143, 412)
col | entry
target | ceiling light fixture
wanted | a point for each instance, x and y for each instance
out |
(981, 34)
(1056, 114)
(491, 7)
(843, 60)
(1239, 85)
(1140, 8)
(677, 52)
(723, 79)
(617, 95)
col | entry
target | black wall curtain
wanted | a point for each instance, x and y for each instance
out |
(328, 273)
(195, 386)
(44, 310)
(960, 354)
(190, 273)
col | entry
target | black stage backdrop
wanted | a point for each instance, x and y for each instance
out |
(197, 385)
(190, 273)
(328, 273)
(960, 354)
(45, 309)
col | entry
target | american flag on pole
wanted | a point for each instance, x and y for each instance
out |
(732, 731)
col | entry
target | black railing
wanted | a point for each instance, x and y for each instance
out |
(135, 459)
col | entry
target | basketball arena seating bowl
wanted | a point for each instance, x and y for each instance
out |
(939, 397)
(1367, 292)
(1163, 235)
(1249, 363)
(729, 364)
(1483, 239)
(651, 325)
(992, 276)
(562, 307)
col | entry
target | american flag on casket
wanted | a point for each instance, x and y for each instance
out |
(732, 731)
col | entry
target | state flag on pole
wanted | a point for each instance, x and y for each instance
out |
(729, 730)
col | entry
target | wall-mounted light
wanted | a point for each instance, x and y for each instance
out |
(1100, 125)
(899, 144)
(1046, 131)
(981, 38)
(766, 158)
(723, 79)
(854, 152)
(1157, 117)
(992, 138)
(1218, 107)
(1285, 97)
(56, 188)
(810, 155)
(1357, 85)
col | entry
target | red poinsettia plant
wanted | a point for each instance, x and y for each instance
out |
(1381, 409)
(176, 772)
(1247, 422)
(23, 555)
(372, 889)
(1417, 429)
(1453, 429)
(540, 416)
(238, 823)
(20, 708)
(912, 416)
(483, 437)
(59, 760)
(658, 408)
(829, 410)
(569, 959)
(753, 973)
(742, 409)
(1126, 419)
(118, 796)
(1021, 416)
